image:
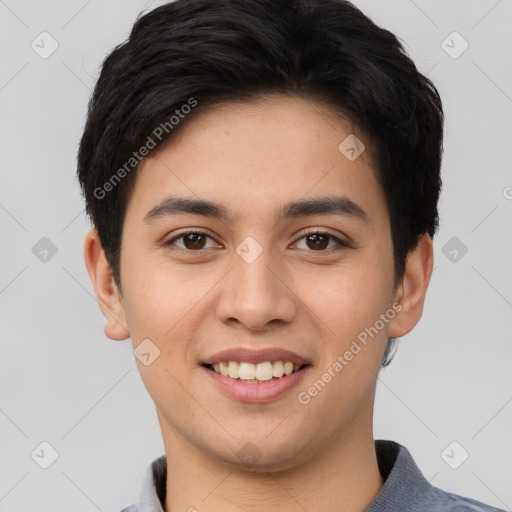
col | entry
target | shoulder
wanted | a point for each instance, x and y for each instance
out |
(450, 502)
(405, 487)
(131, 508)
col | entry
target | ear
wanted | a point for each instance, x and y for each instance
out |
(108, 296)
(413, 288)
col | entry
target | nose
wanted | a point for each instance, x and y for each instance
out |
(257, 294)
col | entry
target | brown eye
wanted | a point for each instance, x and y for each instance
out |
(195, 240)
(192, 241)
(317, 241)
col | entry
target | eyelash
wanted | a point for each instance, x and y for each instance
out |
(341, 244)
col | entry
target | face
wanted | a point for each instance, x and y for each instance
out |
(252, 278)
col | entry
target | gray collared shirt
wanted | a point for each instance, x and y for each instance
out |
(405, 488)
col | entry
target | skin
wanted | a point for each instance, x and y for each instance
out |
(252, 158)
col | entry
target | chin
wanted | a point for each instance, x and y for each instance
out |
(262, 455)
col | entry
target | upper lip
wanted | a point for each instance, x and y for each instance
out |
(251, 355)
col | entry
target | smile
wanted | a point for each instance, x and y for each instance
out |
(254, 373)
(239, 383)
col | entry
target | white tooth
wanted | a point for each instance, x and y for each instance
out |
(278, 369)
(233, 368)
(250, 372)
(247, 371)
(264, 371)
(224, 369)
(288, 367)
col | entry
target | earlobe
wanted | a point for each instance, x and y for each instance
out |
(105, 288)
(412, 290)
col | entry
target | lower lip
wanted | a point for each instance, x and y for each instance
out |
(257, 391)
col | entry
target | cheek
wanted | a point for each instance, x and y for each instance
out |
(151, 291)
(166, 304)
(349, 298)
(346, 304)
(156, 307)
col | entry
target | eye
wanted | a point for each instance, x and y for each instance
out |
(192, 240)
(318, 241)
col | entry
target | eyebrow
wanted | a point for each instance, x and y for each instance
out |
(328, 205)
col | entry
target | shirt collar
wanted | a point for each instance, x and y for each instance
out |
(402, 479)
(153, 487)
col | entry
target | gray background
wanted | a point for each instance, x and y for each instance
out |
(63, 382)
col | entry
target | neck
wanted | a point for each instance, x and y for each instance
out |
(343, 474)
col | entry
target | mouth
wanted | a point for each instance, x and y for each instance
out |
(255, 373)
(263, 387)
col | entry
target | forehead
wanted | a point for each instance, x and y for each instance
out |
(248, 156)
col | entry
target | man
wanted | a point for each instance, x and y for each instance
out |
(262, 178)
